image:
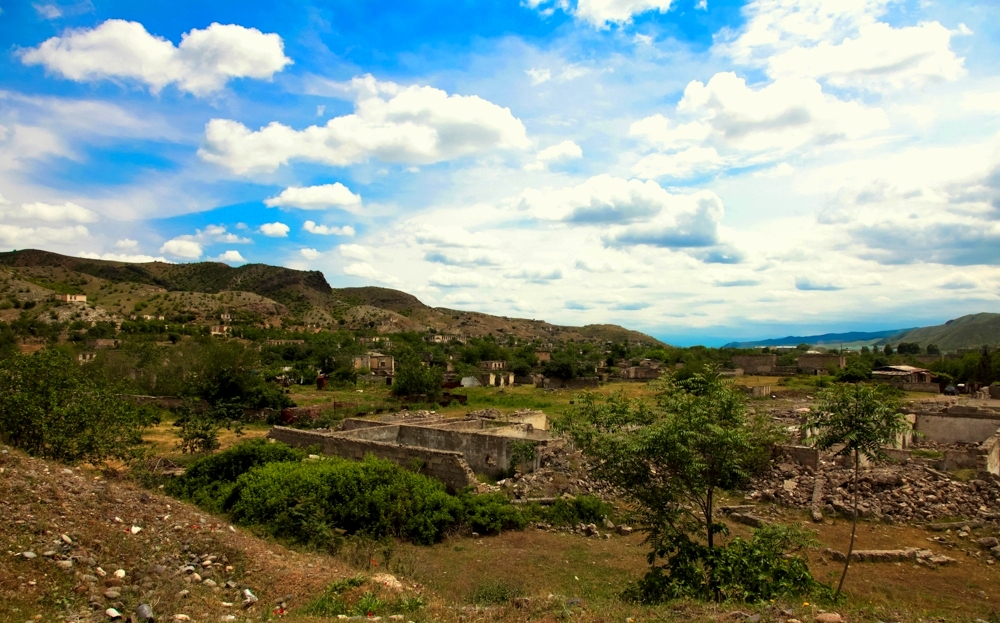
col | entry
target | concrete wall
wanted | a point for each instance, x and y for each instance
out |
(991, 455)
(812, 363)
(756, 364)
(485, 454)
(590, 382)
(448, 467)
(957, 427)
(934, 388)
(803, 455)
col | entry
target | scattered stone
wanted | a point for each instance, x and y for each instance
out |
(988, 542)
(748, 520)
(29, 555)
(113, 614)
(249, 598)
(624, 530)
(144, 612)
(112, 594)
(828, 617)
(65, 539)
(388, 581)
(120, 574)
(181, 617)
(209, 583)
(64, 564)
(182, 594)
(135, 530)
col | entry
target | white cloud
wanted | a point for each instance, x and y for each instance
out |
(13, 236)
(324, 230)
(48, 11)
(601, 199)
(733, 124)
(48, 212)
(536, 274)
(127, 243)
(182, 247)
(367, 271)
(561, 152)
(231, 257)
(355, 252)
(407, 125)
(601, 13)
(842, 42)
(455, 279)
(275, 230)
(310, 254)
(124, 257)
(539, 76)
(203, 62)
(322, 197)
(51, 11)
(881, 57)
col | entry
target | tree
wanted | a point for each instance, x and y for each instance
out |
(863, 419)
(671, 459)
(888, 349)
(413, 378)
(908, 348)
(50, 408)
(933, 349)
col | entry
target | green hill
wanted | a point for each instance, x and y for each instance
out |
(202, 292)
(971, 331)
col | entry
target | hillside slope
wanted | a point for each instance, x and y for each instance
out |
(266, 295)
(971, 331)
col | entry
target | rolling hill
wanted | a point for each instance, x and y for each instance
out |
(201, 292)
(972, 331)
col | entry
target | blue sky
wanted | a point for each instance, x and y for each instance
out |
(698, 170)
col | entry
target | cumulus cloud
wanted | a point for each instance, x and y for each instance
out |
(334, 195)
(467, 257)
(601, 13)
(689, 221)
(13, 236)
(733, 123)
(536, 274)
(231, 257)
(396, 124)
(354, 252)
(367, 271)
(310, 254)
(561, 152)
(325, 230)
(456, 279)
(127, 244)
(121, 50)
(539, 76)
(817, 284)
(130, 258)
(183, 248)
(47, 212)
(275, 230)
(841, 42)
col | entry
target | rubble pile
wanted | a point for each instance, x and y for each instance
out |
(910, 492)
(563, 471)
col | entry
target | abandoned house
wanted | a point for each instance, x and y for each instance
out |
(819, 364)
(379, 364)
(103, 343)
(640, 373)
(493, 365)
(907, 378)
(451, 450)
(756, 364)
(70, 298)
(543, 355)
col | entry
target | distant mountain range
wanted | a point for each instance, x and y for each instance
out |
(972, 331)
(202, 292)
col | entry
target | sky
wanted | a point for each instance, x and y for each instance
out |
(698, 170)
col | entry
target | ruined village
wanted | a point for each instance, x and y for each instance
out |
(224, 457)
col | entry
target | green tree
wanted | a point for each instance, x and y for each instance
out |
(933, 349)
(862, 419)
(49, 408)
(414, 378)
(672, 458)
(887, 350)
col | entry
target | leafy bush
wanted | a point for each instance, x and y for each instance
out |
(494, 592)
(585, 509)
(209, 481)
(306, 501)
(331, 602)
(49, 408)
(491, 513)
(754, 570)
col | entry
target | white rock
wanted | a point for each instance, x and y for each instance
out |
(120, 574)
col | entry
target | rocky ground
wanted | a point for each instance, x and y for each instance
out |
(92, 548)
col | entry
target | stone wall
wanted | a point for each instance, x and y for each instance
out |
(957, 426)
(756, 364)
(933, 388)
(448, 467)
(803, 455)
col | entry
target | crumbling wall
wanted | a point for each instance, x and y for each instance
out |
(756, 364)
(990, 455)
(484, 453)
(957, 426)
(933, 388)
(448, 467)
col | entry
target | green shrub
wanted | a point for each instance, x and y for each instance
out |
(50, 408)
(494, 592)
(209, 481)
(759, 569)
(373, 497)
(331, 602)
(584, 509)
(491, 513)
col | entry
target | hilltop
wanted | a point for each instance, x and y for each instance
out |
(266, 295)
(972, 331)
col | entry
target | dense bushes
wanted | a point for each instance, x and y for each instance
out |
(314, 502)
(209, 481)
(49, 408)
